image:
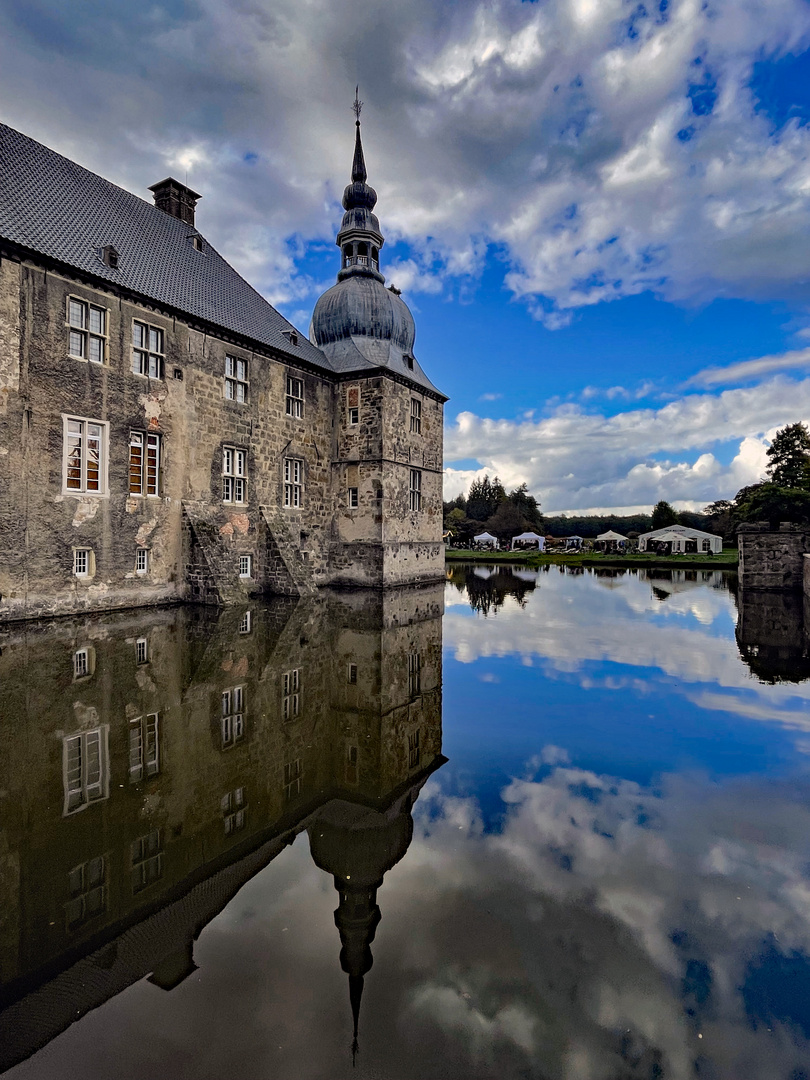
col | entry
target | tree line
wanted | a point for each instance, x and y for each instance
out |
(783, 494)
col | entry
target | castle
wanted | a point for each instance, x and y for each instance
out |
(167, 435)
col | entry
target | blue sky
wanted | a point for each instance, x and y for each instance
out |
(598, 210)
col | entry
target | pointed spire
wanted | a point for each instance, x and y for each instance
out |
(359, 174)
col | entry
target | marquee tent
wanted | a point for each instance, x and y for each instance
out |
(529, 538)
(611, 540)
(683, 539)
(486, 538)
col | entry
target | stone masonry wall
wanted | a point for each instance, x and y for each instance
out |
(772, 558)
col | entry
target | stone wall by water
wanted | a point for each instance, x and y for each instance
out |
(773, 558)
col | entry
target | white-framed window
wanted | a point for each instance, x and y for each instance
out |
(353, 405)
(246, 623)
(414, 674)
(142, 650)
(245, 566)
(144, 747)
(292, 779)
(85, 769)
(84, 662)
(234, 810)
(354, 415)
(415, 492)
(84, 456)
(87, 330)
(144, 463)
(87, 891)
(354, 498)
(148, 350)
(141, 560)
(234, 474)
(233, 716)
(293, 481)
(83, 562)
(416, 416)
(236, 379)
(291, 694)
(351, 674)
(146, 854)
(414, 753)
(295, 397)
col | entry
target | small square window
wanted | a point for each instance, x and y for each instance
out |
(142, 650)
(141, 560)
(245, 566)
(82, 562)
(295, 397)
(354, 498)
(354, 415)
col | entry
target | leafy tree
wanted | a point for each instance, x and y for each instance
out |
(789, 458)
(663, 514)
(526, 505)
(506, 522)
(771, 503)
(484, 497)
(720, 518)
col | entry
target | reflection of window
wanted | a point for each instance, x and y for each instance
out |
(87, 331)
(293, 480)
(233, 719)
(413, 750)
(143, 747)
(351, 764)
(147, 860)
(85, 463)
(416, 416)
(414, 674)
(144, 463)
(415, 493)
(236, 379)
(295, 397)
(291, 701)
(245, 623)
(234, 810)
(234, 475)
(147, 350)
(292, 779)
(85, 769)
(87, 888)
(84, 662)
(351, 673)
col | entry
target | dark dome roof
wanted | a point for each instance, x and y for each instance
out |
(362, 306)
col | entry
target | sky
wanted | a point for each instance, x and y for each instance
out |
(598, 210)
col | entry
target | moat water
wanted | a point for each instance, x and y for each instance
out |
(561, 830)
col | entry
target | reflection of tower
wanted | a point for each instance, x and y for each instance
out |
(358, 846)
(773, 634)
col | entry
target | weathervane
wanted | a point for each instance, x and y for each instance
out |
(358, 104)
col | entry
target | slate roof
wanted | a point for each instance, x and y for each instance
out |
(52, 206)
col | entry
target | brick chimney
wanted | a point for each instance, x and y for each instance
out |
(175, 199)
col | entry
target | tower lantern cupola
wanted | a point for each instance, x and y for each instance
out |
(359, 238)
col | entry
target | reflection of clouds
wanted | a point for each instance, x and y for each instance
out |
(572, 622)
(619, 894)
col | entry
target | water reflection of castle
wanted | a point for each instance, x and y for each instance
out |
(152, 763)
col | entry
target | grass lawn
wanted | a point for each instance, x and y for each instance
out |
(726, 560)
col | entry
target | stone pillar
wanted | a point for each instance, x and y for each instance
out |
(773, 558)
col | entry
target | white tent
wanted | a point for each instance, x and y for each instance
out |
(486, 538)
(611, 535)
(529, 538)
(682, 539)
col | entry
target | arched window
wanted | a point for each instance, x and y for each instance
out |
(347, 254)
(375, 258)
(362, 248)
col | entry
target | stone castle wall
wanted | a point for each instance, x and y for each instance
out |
(772, 558)
(194, 540)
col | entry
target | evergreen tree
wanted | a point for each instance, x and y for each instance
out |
(663, 514)
(789, 458)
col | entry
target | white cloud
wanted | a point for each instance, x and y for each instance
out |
(549, 130)
(573, 460)
(746, 370)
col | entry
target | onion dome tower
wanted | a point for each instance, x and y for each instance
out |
(359, 323)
